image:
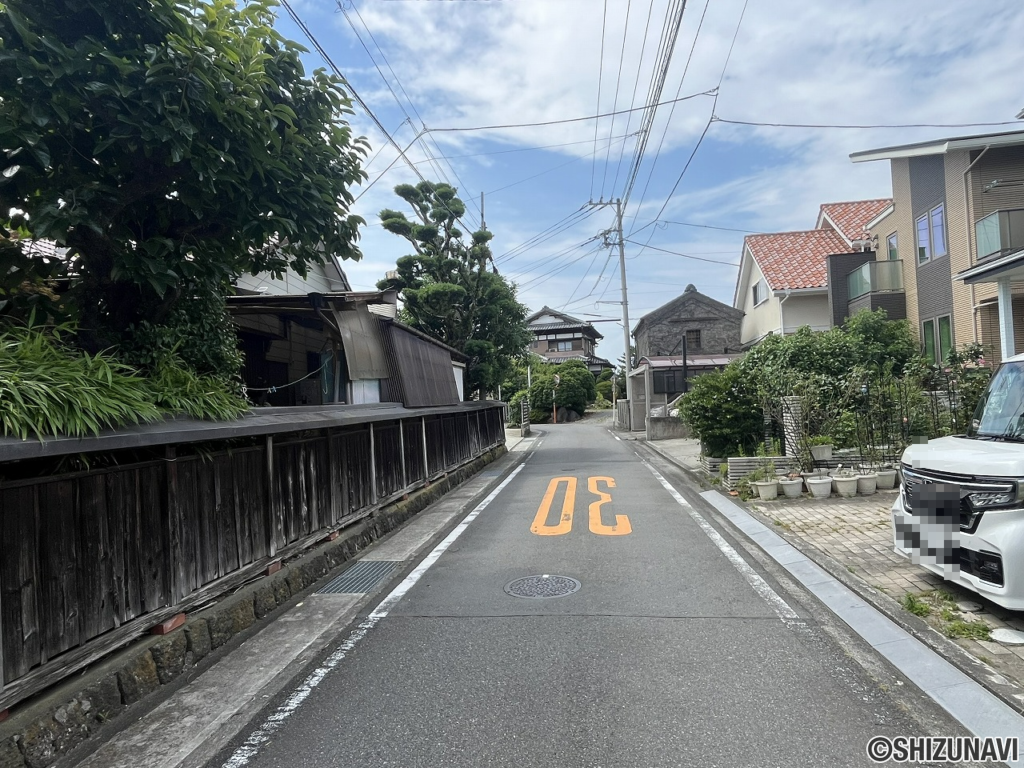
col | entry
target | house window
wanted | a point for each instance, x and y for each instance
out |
(924, 253)
(937, 339)
(931, 234)
(559, 346)
(893, 250)
(577, 343)
(938, 225)
(760, 292)
(693, 339)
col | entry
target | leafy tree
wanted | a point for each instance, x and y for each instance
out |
(447, 290)
(575, 389)
(723, 412)
(170, 146)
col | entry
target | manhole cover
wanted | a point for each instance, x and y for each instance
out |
(547, 585)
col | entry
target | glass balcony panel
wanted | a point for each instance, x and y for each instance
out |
(875, 277)
(1000, 232)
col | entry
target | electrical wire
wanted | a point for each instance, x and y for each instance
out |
(684, 255)
(618, 80)
(549, 170)
(600, 77)
(636, 83)
(671, 114)
(863, 127)
(569, 220)
(426, 148)
(469, 129)
(709, 226)
(366, 107)
(711, 119)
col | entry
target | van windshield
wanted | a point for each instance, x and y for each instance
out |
(1000, 413)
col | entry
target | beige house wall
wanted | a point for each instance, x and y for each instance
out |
(959, 242)
(761, 320)
(902, 221)
(799, 310)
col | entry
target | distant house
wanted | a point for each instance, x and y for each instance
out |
(783, 282)
(558, 337)
(706, 326)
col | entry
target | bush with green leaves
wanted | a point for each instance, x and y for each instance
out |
(723, 413)
(576, 388)
(48, 387)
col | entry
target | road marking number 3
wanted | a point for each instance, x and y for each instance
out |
(620, 527)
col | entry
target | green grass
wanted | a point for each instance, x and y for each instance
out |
(916, 605)
(971, 630)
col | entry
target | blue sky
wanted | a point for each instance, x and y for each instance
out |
(470, 63)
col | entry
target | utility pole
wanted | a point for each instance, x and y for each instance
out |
(625, 300)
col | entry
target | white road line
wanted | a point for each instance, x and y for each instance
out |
(274, 721)
(614, 435)
(769, 595)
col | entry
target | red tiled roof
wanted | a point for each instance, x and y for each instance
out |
(795, 259)
(851, 219)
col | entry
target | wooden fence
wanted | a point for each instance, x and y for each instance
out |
(92, 559)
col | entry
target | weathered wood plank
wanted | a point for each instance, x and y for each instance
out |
(222, 470)
(59, 569)
(123, 528)
(95, 568)
(19, 582)
(152, 542)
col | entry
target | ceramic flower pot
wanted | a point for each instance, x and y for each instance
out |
(820, 487)
(886, 479)
(821, 452)
(867, 483)
(846, 486)
(766, 490)
(792, 489)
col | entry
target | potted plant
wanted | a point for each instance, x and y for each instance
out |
(867, 482)
(845, 481)
(886, 477)
(820, 486)
(820, 447)
(764, 481)
(792, 485)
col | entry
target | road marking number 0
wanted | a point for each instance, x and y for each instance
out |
(620, 527)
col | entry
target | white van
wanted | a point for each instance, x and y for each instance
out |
(960, 511)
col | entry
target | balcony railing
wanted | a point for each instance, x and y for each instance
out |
(875, 276)
(1000, 232)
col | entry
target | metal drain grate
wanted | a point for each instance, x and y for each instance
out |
(360, 578)
(541, 587)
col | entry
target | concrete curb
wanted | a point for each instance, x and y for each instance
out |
(1005, 690)
(53, 724)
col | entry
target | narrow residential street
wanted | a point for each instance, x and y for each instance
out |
(676, 649)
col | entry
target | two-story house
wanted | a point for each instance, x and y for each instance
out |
(558, 337)
(956, 227)
(785, 278)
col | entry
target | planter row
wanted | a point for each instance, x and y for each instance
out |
(822, 487)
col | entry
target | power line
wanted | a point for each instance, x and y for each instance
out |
(426, 149)
(573, 218)
(600, 77)
(524, 149)
(549, 170)
(714, 103)
(709, 226)
(671, 114)
(366, 107)
(861, 127)
(684, 255)
(709, 92)
(636, 82)
(673, 22)
(618, 80)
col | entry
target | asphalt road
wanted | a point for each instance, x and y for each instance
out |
(667, 655)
